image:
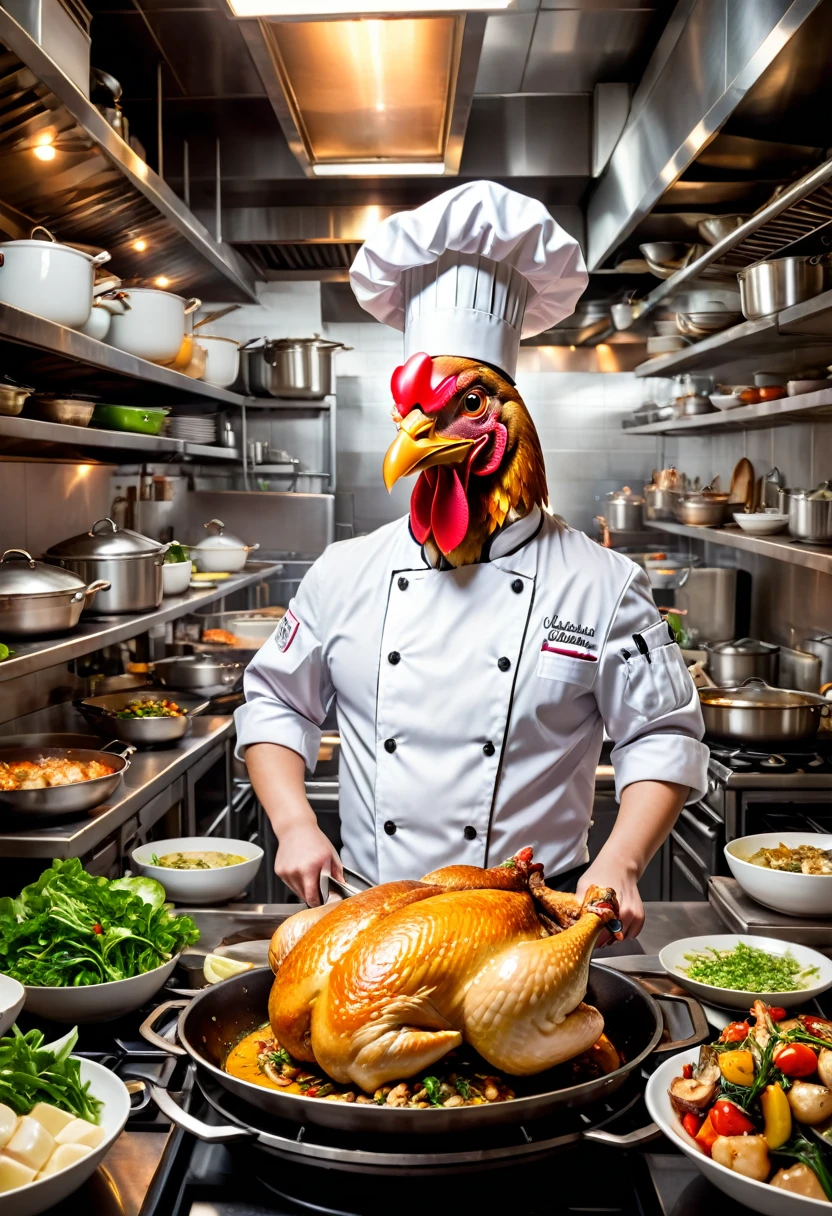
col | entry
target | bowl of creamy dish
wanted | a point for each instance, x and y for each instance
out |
(788, 871)
(199, 869)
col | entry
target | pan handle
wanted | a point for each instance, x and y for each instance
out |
(203, 1131)
(701, 1029)
(641, 1135)
(147, 1031)
(116, 748)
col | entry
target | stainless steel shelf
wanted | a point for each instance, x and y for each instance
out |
(94, 632)
(815, 407)
(47, 355)
(96, 189)
(34, 437)
(780, 547)
(150, 773)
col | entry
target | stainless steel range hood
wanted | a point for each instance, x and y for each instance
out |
(348, 107)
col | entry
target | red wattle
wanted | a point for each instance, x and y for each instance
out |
(449, 516)
(421, 503)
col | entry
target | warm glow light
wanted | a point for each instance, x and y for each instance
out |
(162, 281)
(328, 8)
(571, 347)
(380, 168)
(140, 245)
(44, 152)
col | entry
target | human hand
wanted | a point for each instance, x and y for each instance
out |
(303, 853)
(624, 881)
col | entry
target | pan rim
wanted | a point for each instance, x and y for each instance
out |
(303, 1104)
(64, 753)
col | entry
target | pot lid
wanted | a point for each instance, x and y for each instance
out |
(106, 539)
(625, 495)
(743, 646)
(316, 340)
(218, 538)
(755, 693)
(20, 574)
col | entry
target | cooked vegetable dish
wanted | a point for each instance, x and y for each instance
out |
(48, 1119)
(759, 1100)
(70, 929)
(804, 859)
(42, 774)
(461, 1078)
(749, 969)
(144, 708)
(197, 861)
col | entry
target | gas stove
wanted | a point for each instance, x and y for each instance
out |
(748, 768)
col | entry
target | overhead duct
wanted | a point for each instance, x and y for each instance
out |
(302, 242)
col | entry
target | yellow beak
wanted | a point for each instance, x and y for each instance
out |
(417, 447)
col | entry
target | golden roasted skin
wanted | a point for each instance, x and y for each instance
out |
(469, 966)
(305, 967)
(395, 1004)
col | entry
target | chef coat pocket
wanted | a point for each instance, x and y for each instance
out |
(657, 683)
(554, 666)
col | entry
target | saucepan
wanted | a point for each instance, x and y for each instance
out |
(214, 1021)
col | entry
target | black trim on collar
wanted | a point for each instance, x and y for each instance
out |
(520, 544)
(485, 556)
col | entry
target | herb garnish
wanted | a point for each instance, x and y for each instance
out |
(463, 1088)
(810, 1155)
(432, 1085)
(30, 1073)
(748, 969)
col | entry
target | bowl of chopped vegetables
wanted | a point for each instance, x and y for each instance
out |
(89, 949)
(146, 718)
(733, 971)
(200, 869)
(58, 1120)
(790, 872)
(751, 1110)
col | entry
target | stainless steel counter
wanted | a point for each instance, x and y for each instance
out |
(151, 773)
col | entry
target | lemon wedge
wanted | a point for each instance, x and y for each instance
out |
(217, 967)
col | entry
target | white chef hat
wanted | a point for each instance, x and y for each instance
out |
(469, 273)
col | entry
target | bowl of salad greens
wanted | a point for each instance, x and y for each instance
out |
(60, 1116)
(733, 971)
(87, 948)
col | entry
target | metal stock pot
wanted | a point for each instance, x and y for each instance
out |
(300, 368)
(36, 598)
(754, 712)
(729, 663)
(130, 563)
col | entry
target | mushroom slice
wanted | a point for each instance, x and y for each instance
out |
(692, 1095)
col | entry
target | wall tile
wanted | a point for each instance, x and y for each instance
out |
(13, 533)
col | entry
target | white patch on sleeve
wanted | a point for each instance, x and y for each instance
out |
(285, 632)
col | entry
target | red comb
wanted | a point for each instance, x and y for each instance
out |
(416, 385)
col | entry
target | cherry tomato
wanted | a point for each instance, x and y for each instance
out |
(728, 1120)
(692, 1123)
(97, 929)
(687, 1071)
(706, 1135)
(821, 1027)
(777, 1012)
(735, 1032)
(796, 1060)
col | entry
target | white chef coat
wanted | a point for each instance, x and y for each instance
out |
(471, 702)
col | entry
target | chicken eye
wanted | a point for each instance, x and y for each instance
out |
(474, 402)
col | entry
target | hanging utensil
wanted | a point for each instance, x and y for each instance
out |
(215, 316)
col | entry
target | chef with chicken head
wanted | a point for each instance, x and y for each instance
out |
(476, 649)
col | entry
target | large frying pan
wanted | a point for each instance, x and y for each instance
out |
(216, 1019)
(61, 800)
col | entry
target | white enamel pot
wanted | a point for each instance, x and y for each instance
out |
(48, 279)
(223, 363)
(154, 326)
(104, 308)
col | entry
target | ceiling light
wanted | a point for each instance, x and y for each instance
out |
(44, 152)
(162, 281)
(380, 169)
(140, 245)
(358, 8)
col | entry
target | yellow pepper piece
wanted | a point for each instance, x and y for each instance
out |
(777, 1115)
(737, 1067)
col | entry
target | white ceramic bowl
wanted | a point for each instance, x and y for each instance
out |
(200, 886)
(726, 401)
(672, 958)
(757, 1196)
(97, 1002)
(796, 388)
(176, 578)
(794, 894)
(12, 996)
(40, 1196)
(761, 523)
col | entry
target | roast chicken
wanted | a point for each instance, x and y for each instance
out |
(380, 986)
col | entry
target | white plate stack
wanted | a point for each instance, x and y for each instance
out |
(197, 428)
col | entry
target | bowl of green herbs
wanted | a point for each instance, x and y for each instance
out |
(87, 948)
(733, 971)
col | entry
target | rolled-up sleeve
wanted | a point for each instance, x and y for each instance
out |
(288, 691)
(649, 704)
